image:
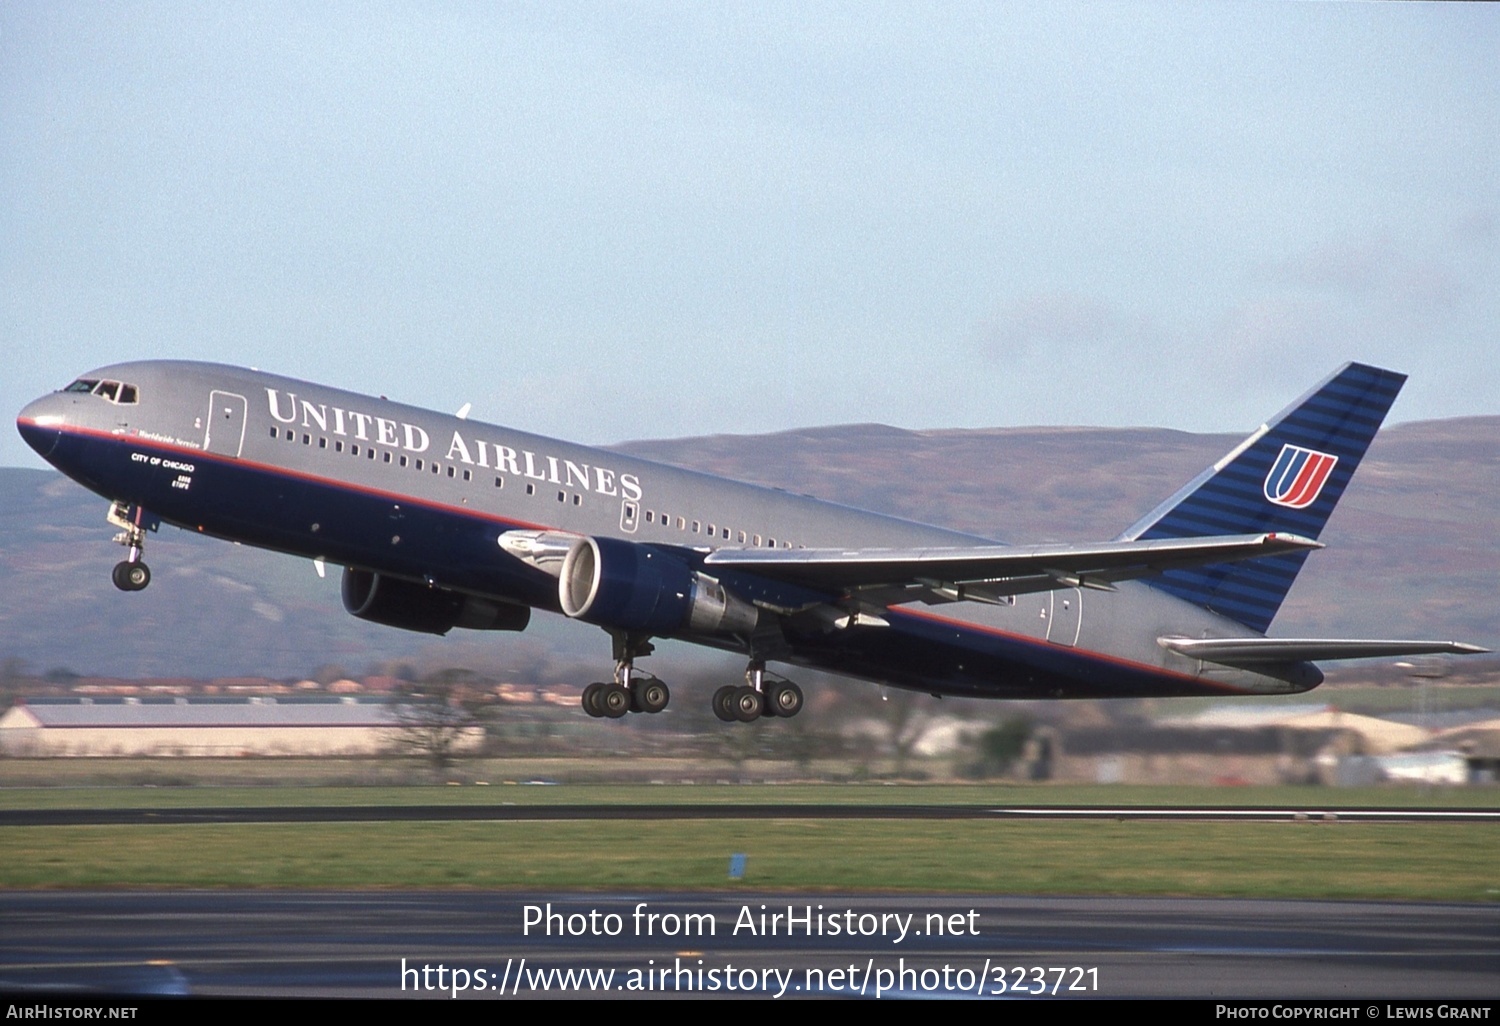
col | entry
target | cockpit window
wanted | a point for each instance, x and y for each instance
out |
(115, 391)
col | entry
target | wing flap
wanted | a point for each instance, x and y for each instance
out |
(987, 571)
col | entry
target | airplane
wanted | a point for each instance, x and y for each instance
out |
(441, 522)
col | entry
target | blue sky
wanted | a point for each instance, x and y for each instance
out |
(612, 221)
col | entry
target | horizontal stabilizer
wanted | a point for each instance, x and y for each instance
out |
(1252, 651)
(1000, 569)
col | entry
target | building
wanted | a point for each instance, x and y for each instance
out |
(222, 727)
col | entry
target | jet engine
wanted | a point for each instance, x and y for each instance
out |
(418, 607)
(622, 585)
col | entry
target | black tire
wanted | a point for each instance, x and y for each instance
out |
(783, 699)
(767, 708)
(614, 700)
(591, 699)
(649, 696)
(723, 703)
(128, 576)
(748, 704)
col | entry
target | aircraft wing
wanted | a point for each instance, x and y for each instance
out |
(1251, 651)
(990, 572)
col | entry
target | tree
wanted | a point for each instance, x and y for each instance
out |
(440, 716)
(13, 678)
(1001, 745)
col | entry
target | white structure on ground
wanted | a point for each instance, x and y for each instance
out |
(204, 727)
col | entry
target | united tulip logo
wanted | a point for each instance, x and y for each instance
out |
(1298, 476)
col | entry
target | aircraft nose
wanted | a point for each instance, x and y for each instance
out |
(41, 423)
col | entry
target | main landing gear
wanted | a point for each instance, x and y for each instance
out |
(762, 694)
(130, 574)
(629, 691)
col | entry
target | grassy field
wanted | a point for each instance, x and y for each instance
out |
(1307, 859)
(1430, 862)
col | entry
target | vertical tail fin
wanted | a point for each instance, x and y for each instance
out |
(1287, 476)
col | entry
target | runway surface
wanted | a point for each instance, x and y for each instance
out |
(455, 813)
(353, 944)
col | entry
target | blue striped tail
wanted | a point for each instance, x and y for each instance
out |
(1288, 476)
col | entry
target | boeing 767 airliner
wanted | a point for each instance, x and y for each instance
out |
(443, 522)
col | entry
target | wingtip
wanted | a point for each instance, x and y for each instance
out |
(1295, 540)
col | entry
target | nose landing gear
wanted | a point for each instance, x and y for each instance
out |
(131, 573)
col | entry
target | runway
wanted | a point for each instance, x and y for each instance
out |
(352, 944)
(626, 811)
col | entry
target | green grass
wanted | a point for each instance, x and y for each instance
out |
(1430, 862)
(1310, 859)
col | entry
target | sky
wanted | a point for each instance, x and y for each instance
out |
(610, 221)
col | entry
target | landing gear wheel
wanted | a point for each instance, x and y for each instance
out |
(649, 696)
(724, 703)
(783, 698)
(130, 576)
(591, 700)
(747, 704)
(613, 700)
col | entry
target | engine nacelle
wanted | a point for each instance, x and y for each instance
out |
(417, 607)
(633, 587)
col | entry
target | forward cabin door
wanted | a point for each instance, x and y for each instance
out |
(224, 432)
